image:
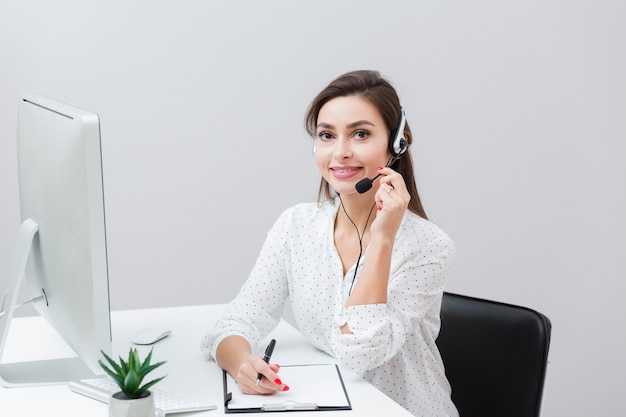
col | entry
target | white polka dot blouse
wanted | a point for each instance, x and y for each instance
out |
(392, 345)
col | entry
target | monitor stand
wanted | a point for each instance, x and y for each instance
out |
(33, 373)
(44, 372)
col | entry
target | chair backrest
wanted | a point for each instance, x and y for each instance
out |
(495, 356)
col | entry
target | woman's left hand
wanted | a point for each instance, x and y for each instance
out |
(392, 199)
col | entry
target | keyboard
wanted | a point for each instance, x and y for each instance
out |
(167, 403)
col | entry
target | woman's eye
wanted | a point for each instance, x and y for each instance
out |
(325, 136)
(361, 134)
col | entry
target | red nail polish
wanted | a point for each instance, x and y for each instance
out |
(277, 381)
(379, 168)
(286, 388)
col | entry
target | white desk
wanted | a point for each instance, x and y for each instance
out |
(188, 371)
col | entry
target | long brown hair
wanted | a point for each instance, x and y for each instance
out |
(371, 86)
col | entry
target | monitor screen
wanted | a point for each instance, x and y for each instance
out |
(61, 254)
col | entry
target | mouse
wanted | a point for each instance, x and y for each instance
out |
(150, 335)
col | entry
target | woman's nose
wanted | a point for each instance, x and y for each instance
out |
(343, 148)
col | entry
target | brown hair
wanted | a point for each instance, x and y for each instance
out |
(371, 86)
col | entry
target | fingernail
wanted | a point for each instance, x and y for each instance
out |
(379, 168)
(277, 365)
(286, 388)
(277, 381)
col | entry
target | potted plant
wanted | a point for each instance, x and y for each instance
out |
(134, 398)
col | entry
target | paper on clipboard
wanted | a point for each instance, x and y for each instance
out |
(311, 387)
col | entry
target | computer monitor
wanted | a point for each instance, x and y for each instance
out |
(61, 252)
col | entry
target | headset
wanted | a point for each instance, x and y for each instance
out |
(397, 146)
(397, 142)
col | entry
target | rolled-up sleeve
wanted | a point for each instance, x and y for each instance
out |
(380, 331)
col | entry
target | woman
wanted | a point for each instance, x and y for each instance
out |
(364, 270)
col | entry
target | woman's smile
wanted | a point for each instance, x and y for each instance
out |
(341, 172)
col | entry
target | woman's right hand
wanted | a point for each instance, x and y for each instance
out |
(247, 374)
(234, 355)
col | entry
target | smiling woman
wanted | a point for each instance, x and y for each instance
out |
(372, 88)
(375, 310)
(348, 127)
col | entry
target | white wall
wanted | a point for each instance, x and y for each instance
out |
(518, 108)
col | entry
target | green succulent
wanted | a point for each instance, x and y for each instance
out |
(129, 374)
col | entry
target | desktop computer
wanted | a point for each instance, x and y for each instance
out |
(60, 254)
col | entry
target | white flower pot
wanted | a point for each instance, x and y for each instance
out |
(120, 406)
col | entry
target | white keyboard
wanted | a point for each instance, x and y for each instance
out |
(167, 403)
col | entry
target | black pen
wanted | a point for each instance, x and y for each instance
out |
(266, 358)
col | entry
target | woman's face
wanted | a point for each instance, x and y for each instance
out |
(351, 142)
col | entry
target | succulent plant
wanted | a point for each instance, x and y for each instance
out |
(129, 374)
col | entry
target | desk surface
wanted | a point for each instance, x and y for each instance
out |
(188, 371)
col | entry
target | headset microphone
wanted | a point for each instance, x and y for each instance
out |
(365, 184)
(397, 146)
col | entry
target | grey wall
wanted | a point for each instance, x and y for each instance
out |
(518, 109)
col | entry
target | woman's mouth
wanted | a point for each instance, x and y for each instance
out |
(345, 172)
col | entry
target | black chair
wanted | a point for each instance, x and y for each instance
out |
(495, 356)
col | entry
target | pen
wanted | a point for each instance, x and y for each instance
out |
(266, 357)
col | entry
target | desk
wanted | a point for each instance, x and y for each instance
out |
(188, 371)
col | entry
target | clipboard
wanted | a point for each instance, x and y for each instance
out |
(312, 388)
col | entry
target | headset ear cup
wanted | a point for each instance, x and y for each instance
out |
(398, 146)
(403, 146)
(397, 143)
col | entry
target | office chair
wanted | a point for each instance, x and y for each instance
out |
(495, 356)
